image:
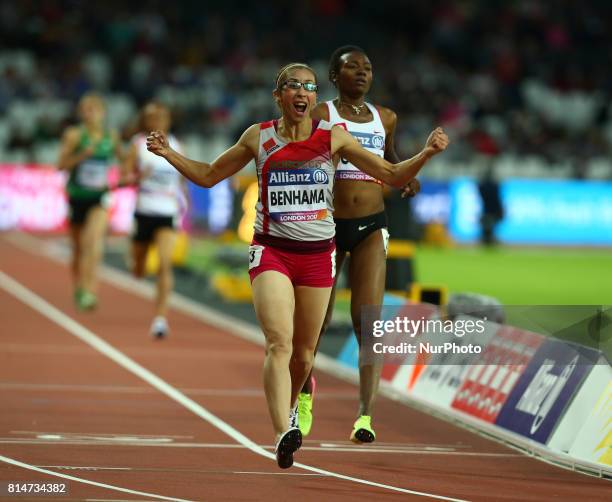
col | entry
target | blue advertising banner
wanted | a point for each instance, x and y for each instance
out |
(212, 206)
(349, 355)
(565, 212)
(433, 203)
(547, 386)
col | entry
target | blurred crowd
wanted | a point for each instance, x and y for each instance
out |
(524, 84)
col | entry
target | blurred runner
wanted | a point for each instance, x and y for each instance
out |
(86, 152)
(161, 195)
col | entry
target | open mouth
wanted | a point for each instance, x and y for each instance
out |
(361, 81)
(300, 107)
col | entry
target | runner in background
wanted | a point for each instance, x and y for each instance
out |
(86, 152)
(161, 194)
(292, 256)
(359, 213)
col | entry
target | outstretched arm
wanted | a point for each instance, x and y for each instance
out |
(398, 174)
(203, 173)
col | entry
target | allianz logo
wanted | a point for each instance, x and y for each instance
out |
(370, 140)
(543, 391)
(318, 176)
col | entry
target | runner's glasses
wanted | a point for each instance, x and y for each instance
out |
(296, 84)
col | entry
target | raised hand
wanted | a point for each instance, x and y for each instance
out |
(157, 142)
(437, 142)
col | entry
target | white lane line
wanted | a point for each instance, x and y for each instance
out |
(84, 468)
(347, 449)
(136, 469)
(99, 434)
(42, 306)
(23, 465)
(264, 473)
(126, 389)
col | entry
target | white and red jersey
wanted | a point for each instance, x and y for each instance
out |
(159, 191)
(296, 182)
(371, 135)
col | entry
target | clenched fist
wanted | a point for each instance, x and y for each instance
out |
(437, 142)
(157, 142)
(412, 188)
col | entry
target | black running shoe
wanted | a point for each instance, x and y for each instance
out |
(288, 443)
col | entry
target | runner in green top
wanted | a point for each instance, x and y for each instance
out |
(87, 151)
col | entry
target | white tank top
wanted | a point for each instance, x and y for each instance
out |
(296, 183)
(371, 135)
(159, 191)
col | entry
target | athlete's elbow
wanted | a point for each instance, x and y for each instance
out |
(392, 177)
(205, 181)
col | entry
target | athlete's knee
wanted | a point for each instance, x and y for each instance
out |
(278, 348)
(305, 354)
(303, 357)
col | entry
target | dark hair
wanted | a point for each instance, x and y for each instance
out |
(334, 61)
(288, 67)
(141, 113)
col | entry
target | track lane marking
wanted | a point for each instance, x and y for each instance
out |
(23, 465)
(37, 303)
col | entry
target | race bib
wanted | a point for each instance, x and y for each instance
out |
(297, 194)
(255, 254)
(93, 174)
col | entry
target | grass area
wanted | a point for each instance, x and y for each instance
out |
(515, 276)
(521, 276)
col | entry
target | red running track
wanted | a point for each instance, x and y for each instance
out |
(70, 409)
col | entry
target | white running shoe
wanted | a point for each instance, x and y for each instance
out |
(159, 328)
(286, 446)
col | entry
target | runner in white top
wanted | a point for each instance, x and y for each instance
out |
(361, 223)
(371, 135)
(161, 194)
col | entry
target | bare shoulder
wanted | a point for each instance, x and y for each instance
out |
(388, 117)
(250, 138)
(320, 112)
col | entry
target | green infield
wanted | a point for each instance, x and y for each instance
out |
(521, 276)
(515, 276)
